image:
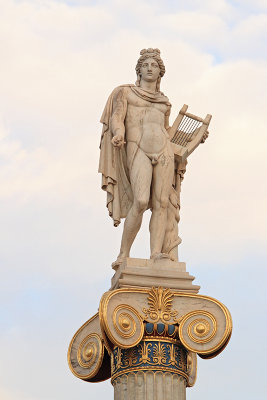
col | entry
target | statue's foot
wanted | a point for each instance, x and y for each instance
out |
(159, 256)
(115, 265)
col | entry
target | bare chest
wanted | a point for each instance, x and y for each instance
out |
(137, 105)
(145, 124)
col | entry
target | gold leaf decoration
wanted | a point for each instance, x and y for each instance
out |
(159, 354)
(160, 305)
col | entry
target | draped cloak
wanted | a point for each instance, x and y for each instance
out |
(113, 162)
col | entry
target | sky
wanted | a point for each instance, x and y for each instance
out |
(59, 62)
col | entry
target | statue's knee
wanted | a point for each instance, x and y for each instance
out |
(141, 205)
(164, 202)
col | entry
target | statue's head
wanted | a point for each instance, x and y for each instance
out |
(151, 56)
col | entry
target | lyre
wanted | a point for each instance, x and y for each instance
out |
(187, 132)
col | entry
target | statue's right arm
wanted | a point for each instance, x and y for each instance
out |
(118, 117)
(167, 116)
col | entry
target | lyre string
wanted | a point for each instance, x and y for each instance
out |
(190, 131)
(182, 131)
(186, 130)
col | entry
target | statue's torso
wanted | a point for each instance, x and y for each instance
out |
(144, 123)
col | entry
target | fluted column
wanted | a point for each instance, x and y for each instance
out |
(149, 385)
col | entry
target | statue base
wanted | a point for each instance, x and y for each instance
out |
(139, 272)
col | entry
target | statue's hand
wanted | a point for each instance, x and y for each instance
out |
(118, 141)
(205, 136)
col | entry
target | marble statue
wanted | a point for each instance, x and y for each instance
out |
(152, 323)
(139, 167)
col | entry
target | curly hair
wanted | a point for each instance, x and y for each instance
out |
(150, 53)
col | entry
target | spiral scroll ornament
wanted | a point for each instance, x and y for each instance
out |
(128, 326)
(87, 359)
(197, 330)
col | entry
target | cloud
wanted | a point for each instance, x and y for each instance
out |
(252, 6)
(249, 37)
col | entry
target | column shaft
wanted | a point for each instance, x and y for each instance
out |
(149, 385)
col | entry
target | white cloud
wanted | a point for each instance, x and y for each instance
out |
(195, 28)
(249, 36)
(226, 30)
(254, 5)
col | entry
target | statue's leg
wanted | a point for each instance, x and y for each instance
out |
(161, 186)
(171, 238)
(140, 177)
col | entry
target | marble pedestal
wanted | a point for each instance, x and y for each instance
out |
(138, 272)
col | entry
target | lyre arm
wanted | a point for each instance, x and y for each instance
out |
(202, 130)
(207, 120)
(178, 121)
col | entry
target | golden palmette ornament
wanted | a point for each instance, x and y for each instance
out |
(160, 305)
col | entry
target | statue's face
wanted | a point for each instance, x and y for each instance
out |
(150, 70)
